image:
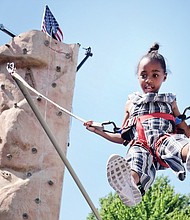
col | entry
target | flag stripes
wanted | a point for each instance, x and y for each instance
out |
(50, 25)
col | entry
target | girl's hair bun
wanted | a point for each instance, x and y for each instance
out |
(155, 48)
(155, 56)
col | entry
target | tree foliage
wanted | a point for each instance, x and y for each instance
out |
(159, 203)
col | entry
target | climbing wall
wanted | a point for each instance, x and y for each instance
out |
(31, 172)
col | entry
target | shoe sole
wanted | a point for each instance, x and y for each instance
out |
(119, 178)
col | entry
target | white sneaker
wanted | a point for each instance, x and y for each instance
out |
(120, 179)
(188, 161)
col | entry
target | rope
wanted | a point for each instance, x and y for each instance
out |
(11, 70)
(17, 76)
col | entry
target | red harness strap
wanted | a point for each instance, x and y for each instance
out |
(141, 134)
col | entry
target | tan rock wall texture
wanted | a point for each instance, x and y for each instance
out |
(31, 172)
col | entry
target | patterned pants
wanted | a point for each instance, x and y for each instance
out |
(142, 162)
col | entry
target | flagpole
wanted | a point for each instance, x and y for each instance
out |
(57, 147)
(43, 18)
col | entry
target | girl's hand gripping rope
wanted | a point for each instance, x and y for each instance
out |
(92, 126)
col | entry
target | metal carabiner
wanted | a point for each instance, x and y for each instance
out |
(184, 113)
(182, 117)
(115, 128)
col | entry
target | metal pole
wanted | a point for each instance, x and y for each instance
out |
(57, 147)
(2, 28)
(88, 54)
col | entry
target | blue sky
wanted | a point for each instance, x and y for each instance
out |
(119, 33)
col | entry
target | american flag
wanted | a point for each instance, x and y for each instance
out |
(50, 25)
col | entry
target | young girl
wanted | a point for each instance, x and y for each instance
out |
(149, 128)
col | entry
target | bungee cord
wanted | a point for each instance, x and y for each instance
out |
(11, 69)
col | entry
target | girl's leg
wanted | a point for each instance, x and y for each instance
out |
(135, 176)
(130, 177)
(185, 153)
(173, 150)
(142, 166)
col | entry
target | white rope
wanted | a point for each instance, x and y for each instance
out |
(11, 70)
(16, 75)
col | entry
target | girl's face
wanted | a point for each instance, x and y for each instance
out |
(150, 75)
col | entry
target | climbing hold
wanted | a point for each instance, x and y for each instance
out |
(39, 98)
(46, 43)
(9, 156)
(67, 55)
(58, 68)
(54, 84)
(6, 174)
(25, 216)
(2, 86)
(24, 51)
(29, 174)
(34, 150)
(15, 105)
(59, 113)
(50, 182)
(37, 201)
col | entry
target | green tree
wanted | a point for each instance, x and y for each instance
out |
(159, 203)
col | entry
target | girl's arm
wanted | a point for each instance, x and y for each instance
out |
(183, 124)
(127, 114)
(116, 138)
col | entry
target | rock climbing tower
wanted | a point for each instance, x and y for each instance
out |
(31, 171)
